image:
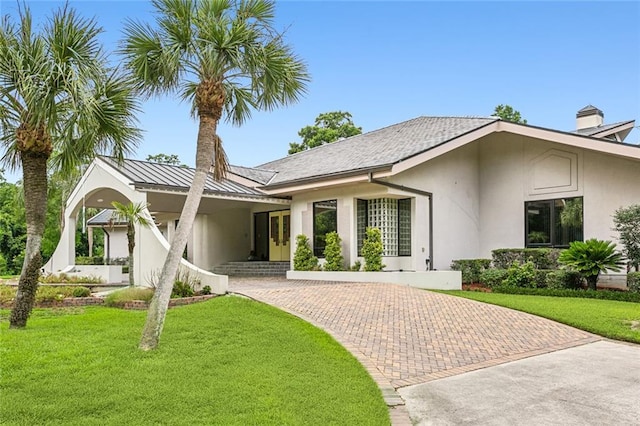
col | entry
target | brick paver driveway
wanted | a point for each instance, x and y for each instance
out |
(405, 336)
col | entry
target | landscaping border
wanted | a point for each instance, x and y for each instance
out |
(69, 302)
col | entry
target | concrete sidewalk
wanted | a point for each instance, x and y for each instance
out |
(593, 384)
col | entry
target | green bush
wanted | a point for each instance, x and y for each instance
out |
(372, 250)
(471, 269)
(67, 279)
(206, 290)
(521, 275)
(622, 296)
(564, 279)
(493, 277)
(542, 258)
(303, 258)
(357, 265)
(7, 294)
(333, 253)
(89, 260)
(120, 297)
(181, 289)
(81, 292)
(590, 258)
(633, 282)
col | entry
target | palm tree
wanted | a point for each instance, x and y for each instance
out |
(60, 104)
(226, 59)
(591, 258)
(132, 214)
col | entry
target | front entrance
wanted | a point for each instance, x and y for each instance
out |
(279, 235)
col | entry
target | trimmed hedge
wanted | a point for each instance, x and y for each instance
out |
(471, 269)
(564, 279)
(89, 260)
(633, 282)
(493, 277)
(622, 296)
(542, 258)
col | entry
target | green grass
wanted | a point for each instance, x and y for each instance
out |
(227, 361)
(608, 318)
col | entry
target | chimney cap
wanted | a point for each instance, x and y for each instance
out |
(589, 110)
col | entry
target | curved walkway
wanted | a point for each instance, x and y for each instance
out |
(406, 336)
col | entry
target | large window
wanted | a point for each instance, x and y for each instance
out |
(392, 217)
(325, 220)
(554, 223)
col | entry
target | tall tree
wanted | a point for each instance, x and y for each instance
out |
(225, 58)
(171, 159)
(328, 127)
(58, 96)
(133, 214)
(507, 113)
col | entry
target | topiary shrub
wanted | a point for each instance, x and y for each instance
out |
(303, 258)
(81, 292)
(564, 279)
(372, 250)
(542, 258)
(470, 268)
(333, 253)
(493, 277)
(633, 282)
(521, 275)
(591, 258)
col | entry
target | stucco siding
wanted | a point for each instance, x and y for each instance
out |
(221, 237)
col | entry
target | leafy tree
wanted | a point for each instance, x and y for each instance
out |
(333, 253)
(626, 221)
(303, 258)
(133, 214)
(171, 159)
(590, 258)
(329, 127)
(372, 250)
(226, 59)
(13, 231)
(61, 104)
(507, 113)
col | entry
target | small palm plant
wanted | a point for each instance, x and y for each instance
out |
(592, 257)
(132, 214)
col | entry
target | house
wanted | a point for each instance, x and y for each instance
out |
(439, 188)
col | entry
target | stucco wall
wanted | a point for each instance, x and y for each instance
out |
(221, 237)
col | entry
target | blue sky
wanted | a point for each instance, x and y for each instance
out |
(387, 62)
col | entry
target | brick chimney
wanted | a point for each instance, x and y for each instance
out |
(589, 116)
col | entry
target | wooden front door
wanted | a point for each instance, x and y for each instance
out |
(279, 235)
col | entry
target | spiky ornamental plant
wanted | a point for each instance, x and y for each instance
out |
(591, 258)
(303, 258)
(60, 105)
(226, 59)
(334, 261)
(133, 214)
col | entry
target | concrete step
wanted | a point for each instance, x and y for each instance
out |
(255, 268)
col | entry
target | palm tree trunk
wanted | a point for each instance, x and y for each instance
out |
(131, 238)
(160, 301)
(34, 173)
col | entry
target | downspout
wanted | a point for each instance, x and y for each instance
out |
(417, 192)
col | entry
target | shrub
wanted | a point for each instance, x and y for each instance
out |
(542, 258)
(53, 294)
(470, 268)
(521, 275)
(181, 289)
(120, 297)
(333, 253)
(81, 292)
(357, 265)
(564, 279)
(7, 294)
(493, 277)
(372, 250)
(622, 296)
(626, 221)
(69, 279)
(633, 282)
(303, 258)
(206, 290)
(590, 258)
(89, 260)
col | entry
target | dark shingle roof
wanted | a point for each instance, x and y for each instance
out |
(104, 218)
(256, 175)
(148, 174)
(591, 131)
(378, 148)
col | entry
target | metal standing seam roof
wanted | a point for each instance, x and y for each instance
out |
(378, 148)
(104, 218)
(145, 173)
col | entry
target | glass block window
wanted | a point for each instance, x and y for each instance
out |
(392, 217)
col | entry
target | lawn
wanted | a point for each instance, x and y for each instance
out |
(227, 361)
(608, 318)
